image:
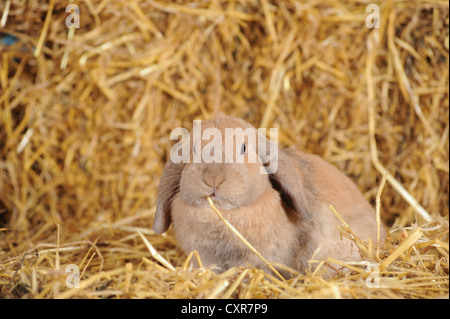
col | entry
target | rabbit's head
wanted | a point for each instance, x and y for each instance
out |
(228, 161)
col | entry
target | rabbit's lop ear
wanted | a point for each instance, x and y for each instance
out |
(169, 186)
(287, 179)
(291, 185)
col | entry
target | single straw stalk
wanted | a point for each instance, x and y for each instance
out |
(242, 238)
(378, 211)
(155, 254)
(404, 245)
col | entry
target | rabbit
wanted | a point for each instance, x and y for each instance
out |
(285, 215)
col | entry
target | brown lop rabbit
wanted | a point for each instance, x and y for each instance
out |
(285, 215)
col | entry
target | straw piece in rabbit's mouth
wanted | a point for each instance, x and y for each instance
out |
(242, 238)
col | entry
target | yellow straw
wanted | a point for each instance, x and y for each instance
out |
(234, 230)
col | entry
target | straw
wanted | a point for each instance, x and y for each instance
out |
(404, 245)
(86, 116)
(378, 211)
(242, 238)
(47, 20)
(154, 253)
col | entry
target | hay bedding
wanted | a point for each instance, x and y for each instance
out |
(86, 114)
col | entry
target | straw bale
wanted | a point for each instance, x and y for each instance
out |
(85, 117)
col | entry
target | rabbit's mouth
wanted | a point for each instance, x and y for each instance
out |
(219, 200)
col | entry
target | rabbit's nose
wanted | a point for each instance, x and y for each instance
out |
(213, 177)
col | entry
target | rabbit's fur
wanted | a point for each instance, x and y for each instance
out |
(284, 215)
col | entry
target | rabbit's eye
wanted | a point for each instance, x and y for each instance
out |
(243, 148)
